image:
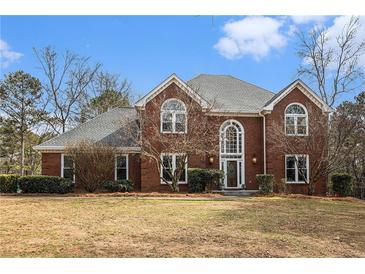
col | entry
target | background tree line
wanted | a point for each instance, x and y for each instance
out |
(71, 90)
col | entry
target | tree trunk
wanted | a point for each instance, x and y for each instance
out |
(311, 189)
(174, 187)
(22, 154)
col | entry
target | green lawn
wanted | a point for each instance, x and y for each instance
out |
(145, 227)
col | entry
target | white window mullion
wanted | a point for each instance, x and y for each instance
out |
(295, 125)
(173, 164)
(173, 121)
(307, 168)
(296, 168)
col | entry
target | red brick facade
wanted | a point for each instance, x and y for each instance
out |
(144, 172)
(275, 161)
(51, 164)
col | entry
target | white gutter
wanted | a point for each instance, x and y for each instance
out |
(264, 135)
(63, 148)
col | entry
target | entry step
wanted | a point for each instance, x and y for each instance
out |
(236, 192)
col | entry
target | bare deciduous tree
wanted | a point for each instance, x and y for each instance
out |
(93, 163)
(327, 143)
(199, 140)
(332, 63)
(68, 77)
(108, 91)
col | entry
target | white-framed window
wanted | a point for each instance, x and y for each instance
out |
(121, 167)
(67, 167)
(231, 138)
(231, 156)
(296, 168)
(173, 116)
(296, 119)
(169, 164)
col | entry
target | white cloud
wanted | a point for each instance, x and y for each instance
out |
(254, 35)
(336, 29)
(7, 56)
(293, 29)
(306, 19)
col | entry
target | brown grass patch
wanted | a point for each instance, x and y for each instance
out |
(132, 227)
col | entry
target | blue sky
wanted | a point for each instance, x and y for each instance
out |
(147, 49)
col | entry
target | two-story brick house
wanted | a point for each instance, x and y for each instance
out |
(241, 119)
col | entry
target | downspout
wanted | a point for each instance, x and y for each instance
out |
(264, 136)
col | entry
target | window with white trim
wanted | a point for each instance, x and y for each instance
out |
(121, 167)
(173, 116)
(231, 138)
(68, 167)
(296, 120)
(296, 168)
(170, 162)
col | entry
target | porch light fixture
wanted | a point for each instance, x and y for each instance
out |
(254, 159)
(211, 159)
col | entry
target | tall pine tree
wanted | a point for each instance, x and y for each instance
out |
(20, 95)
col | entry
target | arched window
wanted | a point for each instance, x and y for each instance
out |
(173, 116)
(231, 138)
(296, 119)
(232, 162)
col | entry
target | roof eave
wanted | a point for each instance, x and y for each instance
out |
(63, 148)
(306, 90)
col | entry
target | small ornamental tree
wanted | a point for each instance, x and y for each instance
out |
(194, 139)
(328, 143)
(93, 164)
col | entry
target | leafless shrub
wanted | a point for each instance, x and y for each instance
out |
(93, 163)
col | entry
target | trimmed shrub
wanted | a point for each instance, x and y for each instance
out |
(265, 182)
(45, 184)
(280, 186)
(118, 186)
(203, 179)
(9, 183)
(342, 183)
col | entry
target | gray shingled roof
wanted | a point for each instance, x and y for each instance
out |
(106, 128)
(230, 94)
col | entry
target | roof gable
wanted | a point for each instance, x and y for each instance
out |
(141, 103)
(269, 106)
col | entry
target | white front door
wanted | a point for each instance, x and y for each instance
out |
(233, 173)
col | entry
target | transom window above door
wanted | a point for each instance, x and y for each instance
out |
(231, 138)
(296, 120)
(173, 116)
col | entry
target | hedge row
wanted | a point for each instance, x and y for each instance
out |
(8, 183)
(35, 184)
